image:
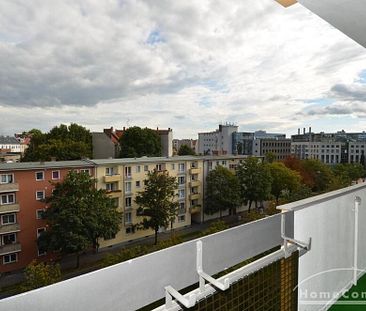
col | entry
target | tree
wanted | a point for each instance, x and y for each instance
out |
(78, 216)
(137, 142)
(185, 150)
(222, 192)
(297, 165)
(346, 173)
(62, 143)
(283, 179)
(255, 181)
(158, 201)
(320, 173)
(270, 157)
(41, 274)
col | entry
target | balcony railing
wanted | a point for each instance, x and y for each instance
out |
(9, 228)
(195, 209)
(12, 187)
(194, 196)
(194, 171)
(194, 183)
(9, 208)
(327, 230)
(10, 248)
(114, 193)
(112, 178)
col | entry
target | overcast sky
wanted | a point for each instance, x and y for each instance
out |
(188, 65)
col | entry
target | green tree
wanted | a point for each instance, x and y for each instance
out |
(137, 142)
(158, 201)
(62, 143)
(185, 150)
(320, 173)
(283, 179)
(41, 274)
(270, 157)
(255, 181)
(78, 216)
(222, 191)
(346, 173)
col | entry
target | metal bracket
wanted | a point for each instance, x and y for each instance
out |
(303, 245)
(170, 292)
(205, 277)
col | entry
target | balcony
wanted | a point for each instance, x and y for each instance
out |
(316, 244)
(194, 171)
(13, 187)
(9, 228)
(194, 183)
(9, 208)
(195, 209)
(194, 196)
(112, 178)
(114, 193)
(10, 248)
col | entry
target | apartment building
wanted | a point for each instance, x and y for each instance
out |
(192, 143)
(218, 142)
(23, 186)
(9, 144)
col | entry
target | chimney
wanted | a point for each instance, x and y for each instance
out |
(124, 128)
(310, 130)
(304, 130)
(298, 131)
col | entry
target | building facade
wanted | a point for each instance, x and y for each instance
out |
(192, 143)
(329, 148)
(23, 186)
(9, 144)
(218, 142)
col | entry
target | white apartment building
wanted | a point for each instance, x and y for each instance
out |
(10, 144)
(219, 142)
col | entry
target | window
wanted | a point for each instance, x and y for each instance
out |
(9, 258)
(181, 180)
(194, 165)
(7, 199)
(39, 213)
(128, 171)
(181, 167)
(8, 219)
(40, 195)
(181, 193)
(109, 171)
(138, 184)
(138, 169)
(55, 175)
(6, 179)
(128, 218)
(9, 238)
(111, 186)
(181, 218)
(41, 251)
(182, 208)
(130, 230)
(128, 187)
(173, 166)
(128, 202)
(159, 167)
(85, 171)
(39, 176)
(146, 168)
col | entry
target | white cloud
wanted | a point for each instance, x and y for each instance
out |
(94, 62)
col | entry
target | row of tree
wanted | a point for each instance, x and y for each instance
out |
(291, 180)
(74, 142)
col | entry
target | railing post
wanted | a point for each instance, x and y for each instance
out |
(355, 246)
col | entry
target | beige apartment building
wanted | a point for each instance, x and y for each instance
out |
(124, 179)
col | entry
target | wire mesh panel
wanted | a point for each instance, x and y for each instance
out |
(271, 288)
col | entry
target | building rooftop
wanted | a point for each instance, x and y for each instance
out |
(43, 165)
(8, 140)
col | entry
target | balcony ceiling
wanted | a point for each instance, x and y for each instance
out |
(349, 16)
